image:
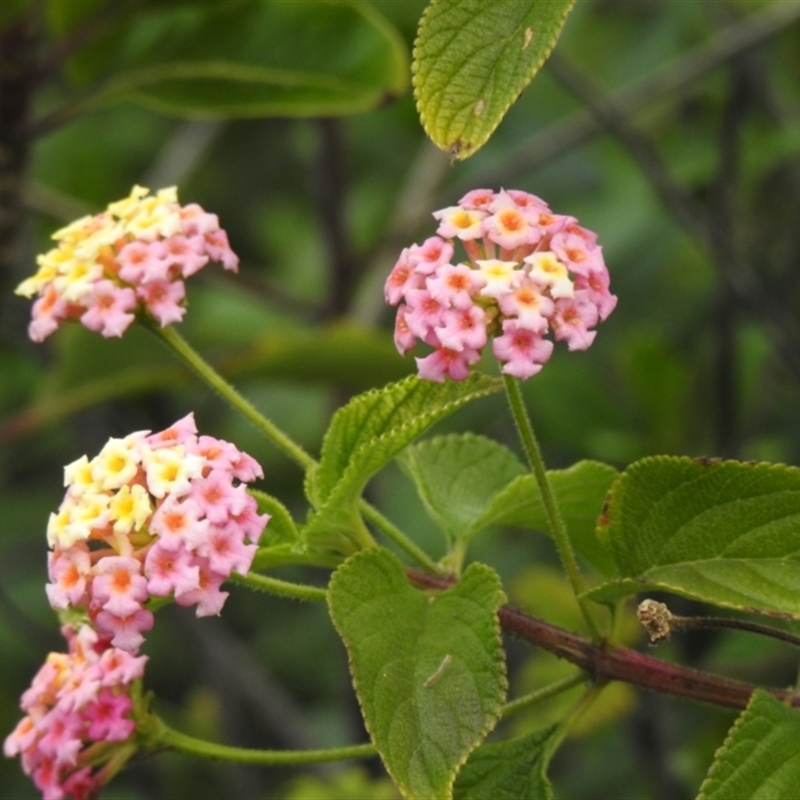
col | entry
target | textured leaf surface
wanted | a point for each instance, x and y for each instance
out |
(760, 759)
(512, 770)
(428, 669)
(458, 476)
(247, 58)
(580, 491)
(726, 533)
(473, 58)
(368, 433)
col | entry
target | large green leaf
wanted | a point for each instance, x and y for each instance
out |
(365, 435)
(511, 770)
(247, 58)
(458, 476)
(760, 759)
(580, 491)
(428, 669)
(472, 58)
(727, 533)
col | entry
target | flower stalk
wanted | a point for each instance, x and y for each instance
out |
(557, 527)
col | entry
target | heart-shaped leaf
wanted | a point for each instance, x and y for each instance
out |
(428, 668)
(368, 433)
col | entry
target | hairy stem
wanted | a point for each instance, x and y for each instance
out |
(161, 735)
(545, 693)
(190, 356)
(557, 526)
(295, 591)
(604, 662)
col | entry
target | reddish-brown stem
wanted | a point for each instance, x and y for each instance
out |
(605, 662)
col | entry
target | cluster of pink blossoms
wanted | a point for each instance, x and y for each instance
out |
(135, 255)
(529, 272)
(77, 704)
(152, 515)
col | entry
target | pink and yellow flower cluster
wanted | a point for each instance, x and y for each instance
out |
(528, 273)
(77, 704)
(152, 516)
(134, 256)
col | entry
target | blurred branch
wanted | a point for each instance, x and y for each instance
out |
(81, 35)
(579, 126)
(182, 153)
(416, 199)
(714, 233)
(680, 203)
(331, 201)
(18, 44)
(236, 673)
(727, 251)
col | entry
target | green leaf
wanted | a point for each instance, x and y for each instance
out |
(457, 477)
(471, 61)
(760, 758)
(726, 533)
(428, 669)
(368, 433)
(580, 492)
(247, 58)
(511, 770)
(281, 527)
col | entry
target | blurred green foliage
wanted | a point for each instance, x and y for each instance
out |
(694, 190)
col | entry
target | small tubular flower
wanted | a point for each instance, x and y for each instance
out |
(130, 259)
(530, 276)
(152, 515)
(77, 699)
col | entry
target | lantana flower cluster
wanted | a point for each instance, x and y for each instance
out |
(152, 516)
(76, 710)
(135, 255)
(528, 274)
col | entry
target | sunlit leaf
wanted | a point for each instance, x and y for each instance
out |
(473, 58)
(368, 433)
(428, 669)
(458, 476)
(727, 533)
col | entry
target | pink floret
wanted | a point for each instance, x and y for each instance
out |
(529, 274)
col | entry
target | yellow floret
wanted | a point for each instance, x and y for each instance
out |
(129, 509)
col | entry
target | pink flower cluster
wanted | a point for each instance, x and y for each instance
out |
(528, 273)
(78, 703)
(152, 516)
(107, 268)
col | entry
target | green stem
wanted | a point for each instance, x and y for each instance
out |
(399, 538)
(164, 736)
(557, 526)
(577, 711)
(540, 695)
(295, 591)
(208, 374)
